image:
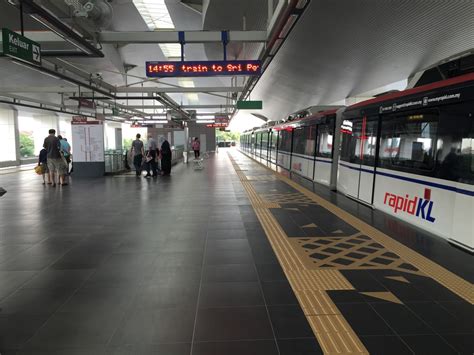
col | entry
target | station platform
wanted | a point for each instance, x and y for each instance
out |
(231, 259)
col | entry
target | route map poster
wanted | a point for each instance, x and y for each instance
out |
(87, 140)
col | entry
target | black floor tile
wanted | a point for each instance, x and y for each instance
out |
(35, 301)
(264, 256)
(177, 276)
(153, 349)
(401, 319)
(16, 329)
(51, 279)
(91, 300)
(270, 272)
(429, 345)
(346, 296)
(225, 324)
(278, 293)
(12, 280)
(363, 319)
(75, 330)
(464, 343)
(146, 326)
(461, 310)
(289, 322)
(228, 244)
(220, 257)
(230, 294)
(227, 234)
(229, 273)
(385, 345)
(440, 319)
(363, 281)
(249, 347)
(307, 346)
(162, 296)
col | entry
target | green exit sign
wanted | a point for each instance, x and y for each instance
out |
(249, 105)
(19, 47)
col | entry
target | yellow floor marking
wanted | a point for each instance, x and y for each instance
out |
(398, 278)
(451, 281)
(332, 331)
(386, 296)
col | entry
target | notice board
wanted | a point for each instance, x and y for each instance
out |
(88, 141)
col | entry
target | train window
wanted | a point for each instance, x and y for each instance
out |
(455, 153)
(359, 140)
(273, 139)
(310, 140)
(325, 141)
(299, 140)
(284, 143)
(408, 141)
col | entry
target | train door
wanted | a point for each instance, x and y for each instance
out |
(357, 169)
(273, 140)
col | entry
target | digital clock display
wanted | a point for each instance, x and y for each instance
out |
(203, 68)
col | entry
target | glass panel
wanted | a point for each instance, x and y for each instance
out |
(325, 140)
(299, 140)
(408, 141)
(455, 154)
(284, 143)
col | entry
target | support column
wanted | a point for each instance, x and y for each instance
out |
(9, 137)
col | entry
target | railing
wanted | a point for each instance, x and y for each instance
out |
(114, 161)
(176, 154)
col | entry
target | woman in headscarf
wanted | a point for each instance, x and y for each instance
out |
(165, 156)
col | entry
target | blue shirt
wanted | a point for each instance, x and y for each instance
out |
(65, 147)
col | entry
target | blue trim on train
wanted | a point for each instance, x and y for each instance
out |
(416, 181)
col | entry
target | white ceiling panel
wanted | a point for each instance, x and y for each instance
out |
(342, 48)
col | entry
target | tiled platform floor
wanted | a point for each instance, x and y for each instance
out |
(182, 265)
(117, 265)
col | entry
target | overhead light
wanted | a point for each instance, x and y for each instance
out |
(205, 121)
(276, 46)
(301, 4)
(289, 23)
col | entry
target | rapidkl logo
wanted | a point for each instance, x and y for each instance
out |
(416, 206)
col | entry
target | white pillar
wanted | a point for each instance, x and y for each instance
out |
(9, 137)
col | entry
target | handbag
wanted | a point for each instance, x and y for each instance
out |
(39, 169)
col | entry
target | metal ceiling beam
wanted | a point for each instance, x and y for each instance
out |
(183, 106)
(178, 90)
(173, 37)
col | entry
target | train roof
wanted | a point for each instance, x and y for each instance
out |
(417, 90)
(301, 121)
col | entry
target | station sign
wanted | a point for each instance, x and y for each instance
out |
(203, 68)
(249, 105)
(217, 125)
(21, 48)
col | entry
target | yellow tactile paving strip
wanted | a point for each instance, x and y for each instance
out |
(334, 334)
(451, 281)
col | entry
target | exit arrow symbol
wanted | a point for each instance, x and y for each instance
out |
(36, 54)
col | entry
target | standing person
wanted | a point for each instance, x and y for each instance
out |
(165, 156)
(66, 150)
(138, 152)
(43, 162)
(151, 154)
(196, 147)
(56, 164)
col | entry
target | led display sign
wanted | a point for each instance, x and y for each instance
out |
(203, 68)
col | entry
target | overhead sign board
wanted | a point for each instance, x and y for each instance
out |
(217, 125)
(249, 105)
(203, 68)
(21, 48)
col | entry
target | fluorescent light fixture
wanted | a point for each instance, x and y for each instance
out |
(171, 50)
(301, 4)
(289, 23)
(205, 121)
(155, 121)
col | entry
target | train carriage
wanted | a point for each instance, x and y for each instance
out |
(410, 154)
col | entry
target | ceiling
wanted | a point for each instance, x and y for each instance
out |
(337, 49)
(341, 48)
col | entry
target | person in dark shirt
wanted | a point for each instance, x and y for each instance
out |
(43, 162)
(56, 163)
(166, 156)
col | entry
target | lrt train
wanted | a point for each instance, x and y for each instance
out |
(409, 154)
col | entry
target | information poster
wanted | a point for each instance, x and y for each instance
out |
(87, 141)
